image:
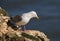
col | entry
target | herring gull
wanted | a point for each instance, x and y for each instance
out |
(22, 20)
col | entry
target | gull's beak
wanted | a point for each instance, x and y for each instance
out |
(37, 17)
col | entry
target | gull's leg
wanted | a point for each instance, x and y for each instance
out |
(24, 28)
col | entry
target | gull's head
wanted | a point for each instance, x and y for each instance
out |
(34, 14)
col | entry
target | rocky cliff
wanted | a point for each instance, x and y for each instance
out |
(7, 33)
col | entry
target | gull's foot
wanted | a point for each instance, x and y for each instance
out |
(26, 30)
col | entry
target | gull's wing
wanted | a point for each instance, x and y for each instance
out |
(16, 18)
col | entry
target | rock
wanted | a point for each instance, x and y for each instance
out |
(3, 23)
(40, 35)
(2, 11)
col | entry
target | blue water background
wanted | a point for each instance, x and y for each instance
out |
(47, 10)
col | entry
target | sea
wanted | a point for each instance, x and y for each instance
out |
(47, 10)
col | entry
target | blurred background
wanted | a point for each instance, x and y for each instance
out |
(47, 10)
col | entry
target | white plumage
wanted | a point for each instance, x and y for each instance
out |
(26, 18)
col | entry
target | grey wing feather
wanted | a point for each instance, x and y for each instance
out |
(16, 18)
